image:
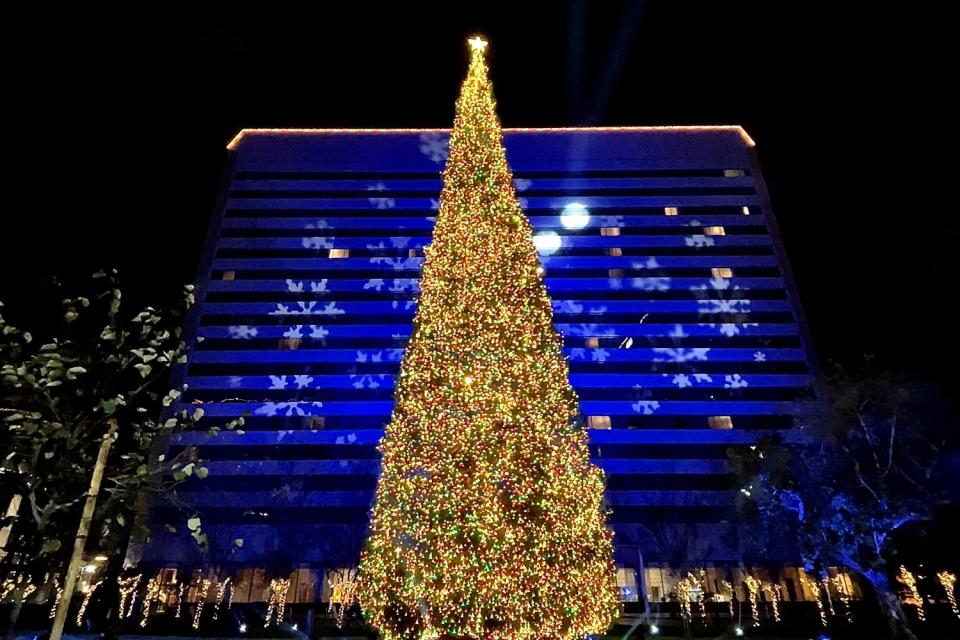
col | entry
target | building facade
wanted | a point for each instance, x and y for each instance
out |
(669, 284)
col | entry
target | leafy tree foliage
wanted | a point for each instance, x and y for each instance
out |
(872, 459)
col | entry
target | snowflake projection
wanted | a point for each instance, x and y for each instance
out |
(610, 221)
(363, 356)
(367, 381)
(759, 356)
(683, 380)
(278, 382)
(294, 333)
(677, 333)
(394, 355)
(736, 306)
(317, 243)
(407, 304)
(319, 286)
(649, 263)
(242, 332)
(698, 240)
(720, 284)
(730, 329)
(522, 184)
(302, 381)
(380, 202)
(651, 284)
(681, 354)
(694, 223)
(401, 285)
(399, 242)
(567, 306)
(234, 382)
(734, 381)
(318, 224)
(294, 287)
(317, 332)
(435, 146)
(435, 204)
(308, 308)
(646, 407)
(350, 438)
(596, 311)
(288, 408)
(523, 202)
(578, 353)
(374, 283)
(398, 264)
(599, 355)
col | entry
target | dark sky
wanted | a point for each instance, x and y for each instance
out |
(120, 120)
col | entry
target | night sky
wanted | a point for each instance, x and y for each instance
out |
(120, 120)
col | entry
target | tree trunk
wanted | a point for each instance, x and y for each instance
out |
(892, 611)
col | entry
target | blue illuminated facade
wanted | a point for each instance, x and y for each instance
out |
(669, 285)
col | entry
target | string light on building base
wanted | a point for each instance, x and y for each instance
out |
(277, 602)
(683, 593)
(906, 577)
(128, 594)
(87, 590)
(813, 587)
(773, 593)
(221, 589)
(753, 589)
(947, 580)
(201, 600)
(729, 587)
(841, 585)
(825, 581)
(152, 595)
(58, 590)
(179, 600)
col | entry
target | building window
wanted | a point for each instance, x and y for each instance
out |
(616, 273)
(591, 343)
(714, 231)
(339, 253)
(609, 231)
(229, 275)
(627, 581)
(733, 173)
(722, 272)
(616, 252)
(599, 422)
(746, 211)
(720, 422)
(413, 253)
(670, 211)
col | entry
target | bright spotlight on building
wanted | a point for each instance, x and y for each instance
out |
(654, 630)
(575, 216)
(243, 627)
(547, 242)
(738, 631)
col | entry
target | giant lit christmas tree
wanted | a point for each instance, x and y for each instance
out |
(489, 519)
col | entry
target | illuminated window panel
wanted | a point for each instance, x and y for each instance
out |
(615, 252)
(289, 344)
(339, 253)
(609, 231)
(413, 253)
(591, 343)
(714, 231)
(229, 275)
(746, 211)
(616, 273)
(599, 422)
(720, 422)
(670, 211)
(733, 173)
(722, 272)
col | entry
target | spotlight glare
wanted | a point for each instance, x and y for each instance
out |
(547, 242)
(738, 631)
(575, 216)
(654, 630)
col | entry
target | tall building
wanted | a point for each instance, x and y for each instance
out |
(669, 285)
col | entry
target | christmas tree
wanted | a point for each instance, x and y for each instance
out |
(489, 519)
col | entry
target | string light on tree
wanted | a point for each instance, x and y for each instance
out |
(812, 586)
(87, 590)
(841, 584)
(278, 601)
(489, 520)
(729, 588)
(153, 594)
(906, 577)
(825, 581)
(58, 590)
(179, 600)
(221, 590)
